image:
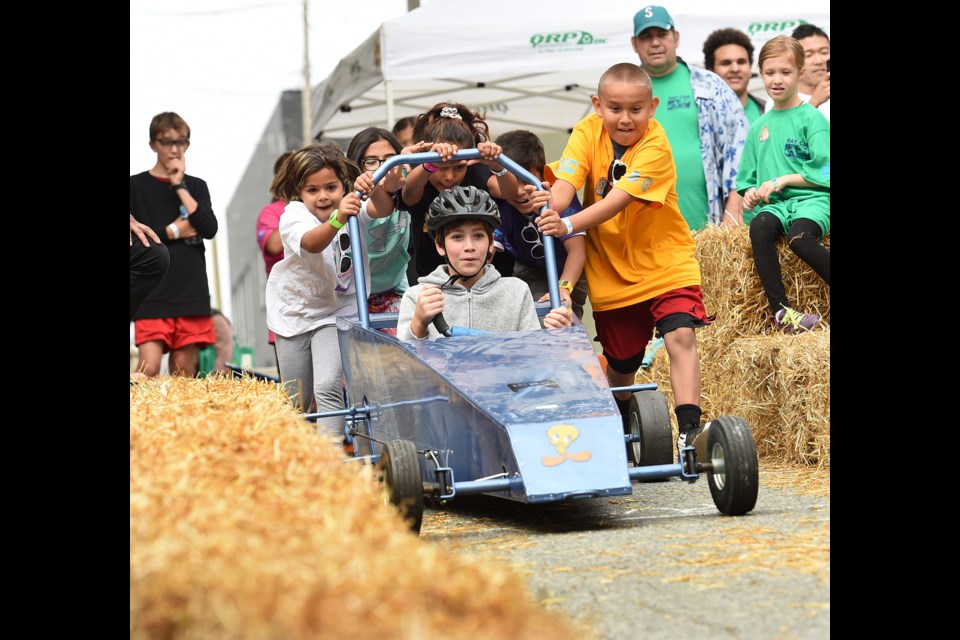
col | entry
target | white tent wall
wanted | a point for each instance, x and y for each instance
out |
(526, 65)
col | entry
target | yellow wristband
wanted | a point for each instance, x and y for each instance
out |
(332, 220)
(566, 284)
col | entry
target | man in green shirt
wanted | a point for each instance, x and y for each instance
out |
(702, 116)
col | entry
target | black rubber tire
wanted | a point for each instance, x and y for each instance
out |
(735, 480)
(649, 417)
(399, 470)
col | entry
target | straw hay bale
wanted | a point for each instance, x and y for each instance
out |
(732, 289)
(778, 382)
(244, 523)
(781, 385)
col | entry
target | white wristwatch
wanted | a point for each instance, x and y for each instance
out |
(569, 224)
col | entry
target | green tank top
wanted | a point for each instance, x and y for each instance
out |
(677, 113)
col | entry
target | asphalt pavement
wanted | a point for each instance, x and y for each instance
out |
(662, 562)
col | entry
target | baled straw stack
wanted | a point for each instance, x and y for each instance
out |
(788, 404)
(792, 413)
(244, 523)
(732, 289)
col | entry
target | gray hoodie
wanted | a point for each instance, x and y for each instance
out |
(495, 304)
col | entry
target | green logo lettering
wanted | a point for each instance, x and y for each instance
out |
(785, 26)
(564, 39)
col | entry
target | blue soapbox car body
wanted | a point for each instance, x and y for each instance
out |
(525, 416)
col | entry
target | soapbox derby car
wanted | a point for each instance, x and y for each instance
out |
(525, 416)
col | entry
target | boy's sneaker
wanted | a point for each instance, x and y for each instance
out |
(687, 434)
(792, 321)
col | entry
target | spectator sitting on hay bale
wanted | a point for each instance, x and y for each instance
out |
(783, 380)
(792, 144)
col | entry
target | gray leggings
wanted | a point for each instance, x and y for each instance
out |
(312, 361)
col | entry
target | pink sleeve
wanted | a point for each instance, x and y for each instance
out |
(268, 221)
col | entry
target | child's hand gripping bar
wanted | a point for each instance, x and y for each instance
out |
(431, 156)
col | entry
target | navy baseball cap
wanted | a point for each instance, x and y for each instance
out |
(651, 16)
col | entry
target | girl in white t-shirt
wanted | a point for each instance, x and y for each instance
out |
(313, 284)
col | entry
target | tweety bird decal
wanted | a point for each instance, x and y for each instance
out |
(561, 437)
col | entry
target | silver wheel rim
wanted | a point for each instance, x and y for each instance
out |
(638, 445)
(719, 466)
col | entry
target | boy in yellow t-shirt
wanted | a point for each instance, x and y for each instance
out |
(641, 268)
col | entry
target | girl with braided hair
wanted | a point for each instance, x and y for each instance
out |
(445, 129)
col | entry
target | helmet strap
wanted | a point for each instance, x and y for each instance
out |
(457, 275)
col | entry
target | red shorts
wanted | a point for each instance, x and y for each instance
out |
(624, 332)
(176, 333)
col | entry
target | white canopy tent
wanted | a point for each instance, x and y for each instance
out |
(527, 65)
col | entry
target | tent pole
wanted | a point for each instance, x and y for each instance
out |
(388, 99)
(307, 95)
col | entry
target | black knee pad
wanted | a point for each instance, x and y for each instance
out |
(676, 320)
(630, 365)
